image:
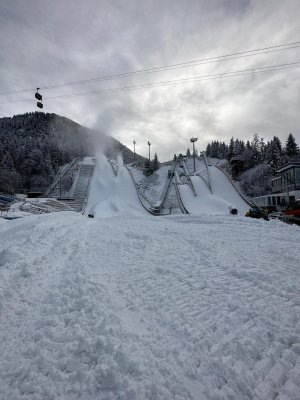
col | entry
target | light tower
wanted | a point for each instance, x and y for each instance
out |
(149, 144)
(193, 140)
(134, 150)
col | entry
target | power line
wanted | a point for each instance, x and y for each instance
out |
(183, 80)
(270, 68)
(226, 57)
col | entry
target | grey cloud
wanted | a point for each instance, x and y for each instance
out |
(44, 43)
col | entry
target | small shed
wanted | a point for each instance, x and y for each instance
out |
(237, 165)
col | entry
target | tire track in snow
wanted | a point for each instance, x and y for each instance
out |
(116, 314)
(22, 355)
(202, 316)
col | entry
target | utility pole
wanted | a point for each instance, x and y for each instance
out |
(134, 150)
(193, 140)
(149, 144)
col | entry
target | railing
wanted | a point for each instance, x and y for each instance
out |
(165, 191)
(206, 164)
(62, 172)
(143, 199)
(177, 178)
(35, 207)
(114, 167)
(187, 175)
(88, 191)
(180, 202)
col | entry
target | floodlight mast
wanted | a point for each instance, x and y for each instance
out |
(193, 140)
(134, 142)
(149, 144)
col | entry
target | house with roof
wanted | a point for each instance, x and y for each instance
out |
(285, 187)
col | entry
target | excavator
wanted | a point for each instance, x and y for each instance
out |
(256, 212)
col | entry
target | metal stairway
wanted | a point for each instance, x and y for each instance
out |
(78, 200)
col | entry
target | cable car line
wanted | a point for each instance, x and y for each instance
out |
(230, 74)
(226, 57)
(184, 80)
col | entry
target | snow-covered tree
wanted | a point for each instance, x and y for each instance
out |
(291, 147)
(223, 151)
(155, 163)
(208, 149)
(214, 149)
(231, 146)
(262, 149)
(274, 154)
(257, 181)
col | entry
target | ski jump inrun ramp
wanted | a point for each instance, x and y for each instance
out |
(112, 195)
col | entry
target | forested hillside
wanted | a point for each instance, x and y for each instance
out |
(260, 160)
(34, 145)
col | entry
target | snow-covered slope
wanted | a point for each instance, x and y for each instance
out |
(112, 195)
(204, 202)
(222, 187)
(178, 307)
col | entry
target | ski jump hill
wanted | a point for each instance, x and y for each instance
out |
(113, 191)
(105, 188)
(214, 196)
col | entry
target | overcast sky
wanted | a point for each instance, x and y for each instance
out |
(50, 42)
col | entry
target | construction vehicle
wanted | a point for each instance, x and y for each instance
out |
(256, 212)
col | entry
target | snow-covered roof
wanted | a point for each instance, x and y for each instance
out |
(287, 166)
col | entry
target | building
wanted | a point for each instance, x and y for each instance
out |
(285, 187)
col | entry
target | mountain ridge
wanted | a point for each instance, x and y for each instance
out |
(35, 145)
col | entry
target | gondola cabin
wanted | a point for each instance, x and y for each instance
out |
(38, 96)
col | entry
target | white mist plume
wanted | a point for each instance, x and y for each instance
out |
(120, 160)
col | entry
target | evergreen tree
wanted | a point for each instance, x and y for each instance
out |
(256, 155)
(262, 148)
(255, 141)
(291, 147)
(249, 157)
(155, 163)
(223, 151)
(34, 145)
(239, 147)
(274, 154)
(231, 146)
(278, 144)
(214, 149)
(208, 149)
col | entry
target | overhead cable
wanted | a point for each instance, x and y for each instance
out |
(226, 57)
(270, 68)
